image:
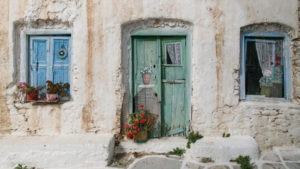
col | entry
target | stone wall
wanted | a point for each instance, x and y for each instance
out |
(4, 66)
(96, 72)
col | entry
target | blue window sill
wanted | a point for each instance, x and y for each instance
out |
(260, 98)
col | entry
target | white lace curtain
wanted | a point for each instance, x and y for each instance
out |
(265, 53)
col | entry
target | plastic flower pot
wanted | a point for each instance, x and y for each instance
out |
(51, 97)
(32, 95)
(141, 136)
(146, 78)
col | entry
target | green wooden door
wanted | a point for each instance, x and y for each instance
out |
(165, 95)
(173, 86)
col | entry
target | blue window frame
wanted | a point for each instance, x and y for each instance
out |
(259, 81)
(49, 59)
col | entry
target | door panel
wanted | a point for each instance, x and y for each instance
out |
(165, 95)
(146, 54)
(173, 108)
(173, 79)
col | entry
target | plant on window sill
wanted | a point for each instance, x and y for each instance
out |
(56, 89)
(27, 92)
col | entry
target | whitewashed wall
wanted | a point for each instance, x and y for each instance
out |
(97, 90)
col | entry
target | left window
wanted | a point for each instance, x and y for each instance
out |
(49, 59)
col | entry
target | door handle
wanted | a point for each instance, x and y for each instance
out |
(173, 81)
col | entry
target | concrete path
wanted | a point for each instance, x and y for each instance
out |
(279, 158)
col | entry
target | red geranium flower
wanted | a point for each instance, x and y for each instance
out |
(138, 129)
(135, 123)
(277, 64)
(127, 126)
(142, 115)
(141, 106)
(271, 63)
(277, 58)
(142, 121)
(156, 115)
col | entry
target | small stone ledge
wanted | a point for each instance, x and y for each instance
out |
(224, 149)
(159, 145)
(63, 152)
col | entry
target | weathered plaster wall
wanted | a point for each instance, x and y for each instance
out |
(4, 65)
(96, 71)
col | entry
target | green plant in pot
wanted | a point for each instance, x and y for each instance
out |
(30, 91)
(140, 123)
(56, 89)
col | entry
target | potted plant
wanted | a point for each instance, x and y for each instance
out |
(30, 91)
(56, 89)
(139, 124)
(146, 75)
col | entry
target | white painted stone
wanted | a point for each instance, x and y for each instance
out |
(191, 165)
(155, 162)
(64, 152)
(225, 149)
(162, 145)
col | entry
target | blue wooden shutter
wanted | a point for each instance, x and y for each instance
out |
(38, 62)
(61, 62)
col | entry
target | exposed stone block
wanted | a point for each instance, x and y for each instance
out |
(156, 162)
(293, 165)
(271, 156)
(190, 165)
(272, 166)
(225, 149)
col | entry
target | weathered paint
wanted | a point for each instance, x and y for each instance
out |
(174, 80)
(98, 87)
(5, 122)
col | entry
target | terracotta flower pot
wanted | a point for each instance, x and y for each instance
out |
(32, 95)
(51, 97)
(146, 78)
(141, 137)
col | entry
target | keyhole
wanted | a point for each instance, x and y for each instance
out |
(154, 66)
(155, 94)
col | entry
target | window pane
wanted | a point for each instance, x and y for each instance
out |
(173, 53)
(264, 70)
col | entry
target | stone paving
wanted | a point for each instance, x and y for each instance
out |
(279, 158)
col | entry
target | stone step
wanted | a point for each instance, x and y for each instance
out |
(155, 145)
(57, 152)
(220, 149)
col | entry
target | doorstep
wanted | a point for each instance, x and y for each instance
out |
(155, 145)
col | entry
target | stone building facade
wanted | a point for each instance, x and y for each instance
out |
(100, 66)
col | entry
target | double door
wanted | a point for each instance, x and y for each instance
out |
(165, 94)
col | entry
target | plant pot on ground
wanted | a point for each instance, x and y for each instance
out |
(54, 90)
(140, 123)
(30, 91)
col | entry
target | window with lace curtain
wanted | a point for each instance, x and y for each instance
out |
(263, 66)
